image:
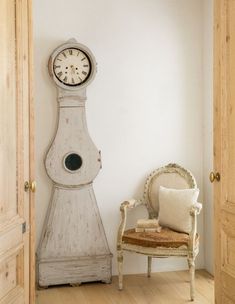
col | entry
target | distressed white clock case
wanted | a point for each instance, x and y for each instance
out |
(73, 246)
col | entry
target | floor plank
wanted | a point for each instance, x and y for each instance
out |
(161, 288)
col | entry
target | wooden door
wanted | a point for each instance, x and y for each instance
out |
(16, 205)
(224, 150)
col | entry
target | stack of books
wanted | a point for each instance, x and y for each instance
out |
(148, 225)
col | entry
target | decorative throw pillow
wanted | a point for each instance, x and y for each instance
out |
(174, 208)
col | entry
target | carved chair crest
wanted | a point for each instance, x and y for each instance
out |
(171, 176)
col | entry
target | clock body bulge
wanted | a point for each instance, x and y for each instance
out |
(73, 246)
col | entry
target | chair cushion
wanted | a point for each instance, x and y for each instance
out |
(175, 206)
(166, 238)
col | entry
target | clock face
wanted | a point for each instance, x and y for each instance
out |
(72, 67)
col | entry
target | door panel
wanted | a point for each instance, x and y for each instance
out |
(15, 145)
(8, 275)
(224, 150)
(229, 134)
(8, 111)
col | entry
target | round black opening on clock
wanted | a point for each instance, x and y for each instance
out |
(73, 162)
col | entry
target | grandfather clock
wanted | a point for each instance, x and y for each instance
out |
(73, 246)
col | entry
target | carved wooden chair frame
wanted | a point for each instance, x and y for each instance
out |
(190, 251)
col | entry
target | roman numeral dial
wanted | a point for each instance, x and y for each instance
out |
(72, 67)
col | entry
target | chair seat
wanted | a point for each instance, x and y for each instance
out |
(166, 238)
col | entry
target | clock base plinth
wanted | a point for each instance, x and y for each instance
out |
(73, 248)
(77, 271)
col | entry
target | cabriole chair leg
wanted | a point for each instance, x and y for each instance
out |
(149, 266)
(191, 262)
(120, 266)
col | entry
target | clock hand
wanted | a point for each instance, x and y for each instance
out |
(72, 69)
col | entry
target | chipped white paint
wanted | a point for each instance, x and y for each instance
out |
(73, 247)
(72, 136)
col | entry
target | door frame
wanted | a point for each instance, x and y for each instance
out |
(216, 140)
(32, 262)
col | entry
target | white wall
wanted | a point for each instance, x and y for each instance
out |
(208, 132)
(144, 107)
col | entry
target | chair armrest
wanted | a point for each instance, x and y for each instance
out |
(194, 211)
(128, 204)
(197, 207)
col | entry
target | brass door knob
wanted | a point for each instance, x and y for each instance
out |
(30, 186)
(33, 186)
(214, 176)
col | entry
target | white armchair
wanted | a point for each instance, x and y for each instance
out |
(168, 242)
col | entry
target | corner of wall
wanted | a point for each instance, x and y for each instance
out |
(208, 132)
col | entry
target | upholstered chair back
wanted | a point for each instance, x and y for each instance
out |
(170, 176)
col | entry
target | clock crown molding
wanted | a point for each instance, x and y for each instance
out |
(72, 43)
(72, 40)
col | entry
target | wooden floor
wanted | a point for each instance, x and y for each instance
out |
(161, 288)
